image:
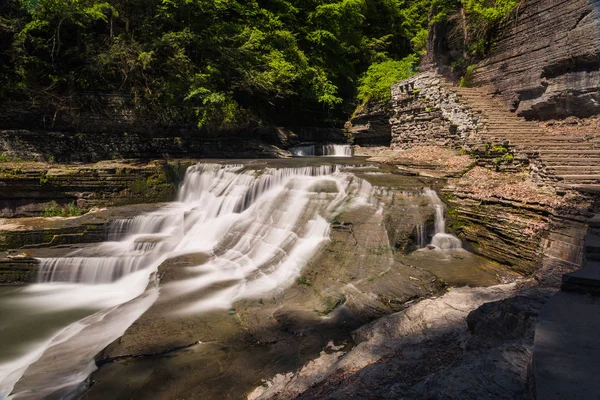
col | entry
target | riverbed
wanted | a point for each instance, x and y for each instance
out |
(255, 268)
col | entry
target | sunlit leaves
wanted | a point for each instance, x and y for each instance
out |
(376, 82)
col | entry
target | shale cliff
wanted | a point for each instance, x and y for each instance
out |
(546, 60)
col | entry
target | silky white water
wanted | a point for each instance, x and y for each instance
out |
(327, 150)
(441, 239)
(254, 229)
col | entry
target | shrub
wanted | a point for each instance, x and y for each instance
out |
(55, 210)
(376, 83)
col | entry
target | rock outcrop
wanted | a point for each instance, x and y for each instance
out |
(22, 239)
(546, 60)
(468, 344)
(370, 126)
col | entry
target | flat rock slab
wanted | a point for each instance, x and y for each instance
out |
(567, 350)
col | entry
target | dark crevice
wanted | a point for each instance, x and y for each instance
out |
(583, 63)
(581, 18)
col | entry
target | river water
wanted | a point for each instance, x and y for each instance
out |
(250, 228)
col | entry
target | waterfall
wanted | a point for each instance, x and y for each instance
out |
(257, 226)
(441, 239)
(421, 236)
(329, 150)
(251, 232)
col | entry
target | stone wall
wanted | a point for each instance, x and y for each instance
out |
(425, 113)
(546, 61)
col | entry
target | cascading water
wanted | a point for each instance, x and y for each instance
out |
(328, 150)
(253, 229)
(441, 239)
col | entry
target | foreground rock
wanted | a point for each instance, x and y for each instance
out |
(468, 344)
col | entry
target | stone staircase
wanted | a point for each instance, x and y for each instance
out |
(572, 161)
(587, 279)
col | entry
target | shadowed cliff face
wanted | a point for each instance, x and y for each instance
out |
(546, 62)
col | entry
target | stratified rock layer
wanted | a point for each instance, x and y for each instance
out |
(547, 61)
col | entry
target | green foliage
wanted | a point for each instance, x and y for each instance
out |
(419, 41)
(499, 149)
(303, 282)
(8, 158)
(489, 12)
(467, 78)
(210, 62)
(219, 63)
(376, 82)
(43, 177)
(55, 210)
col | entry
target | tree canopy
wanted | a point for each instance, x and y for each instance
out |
(215, 62)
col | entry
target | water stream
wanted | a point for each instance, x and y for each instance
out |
(441, 239)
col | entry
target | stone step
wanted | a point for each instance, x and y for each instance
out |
(551, 143)
(581, 178)
(574, 169)
(509, 122)
(516, 123)
(592, 247)
(573, 153)
(515, 128)
(589, 275)
(549, 146)
(515, 133)
(582, 162)
(541, 145)
(551, 139)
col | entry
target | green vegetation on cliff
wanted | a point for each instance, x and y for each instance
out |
(214, 62)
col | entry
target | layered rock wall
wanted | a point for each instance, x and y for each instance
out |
(100, 127)
(90, 147)
(26, 189)
(546, 61)
(426, 113)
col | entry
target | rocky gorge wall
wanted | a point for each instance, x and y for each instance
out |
(546, 60)
(420, 112)
(89, 128)
(494, 205)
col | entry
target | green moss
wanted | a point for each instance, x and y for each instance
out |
(331, 303)
(467, 79)
(303, 282)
